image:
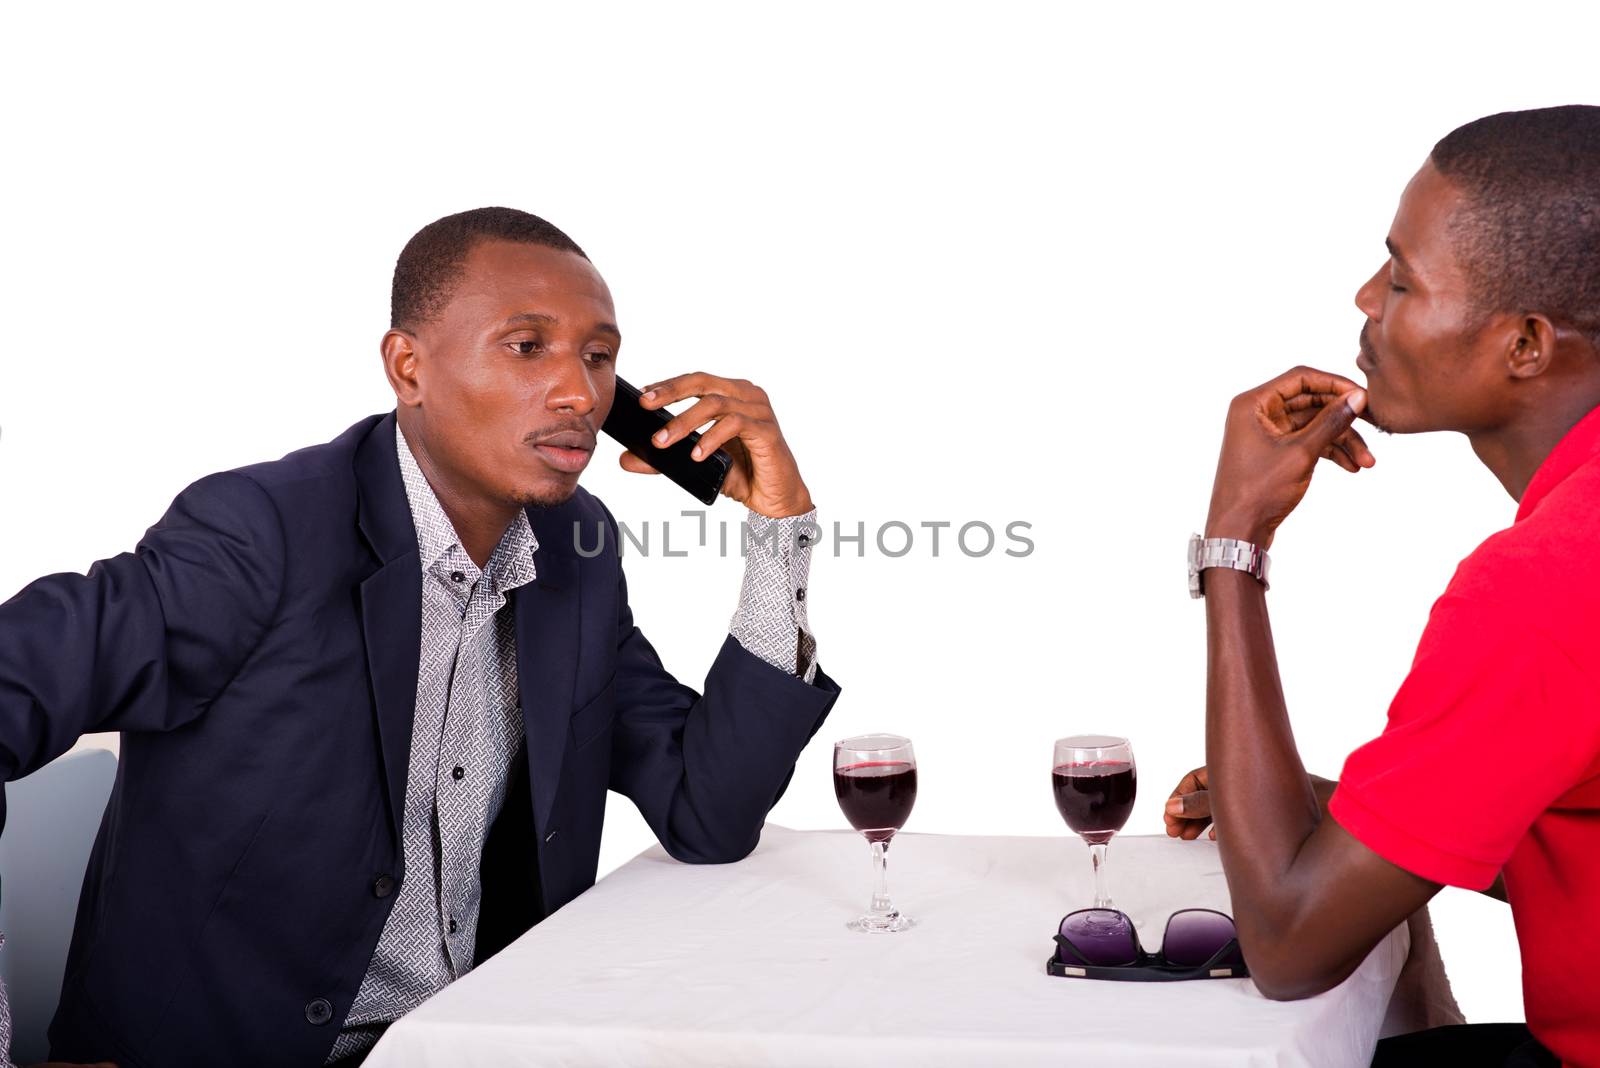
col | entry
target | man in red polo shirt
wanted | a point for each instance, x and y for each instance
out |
(1485, 319)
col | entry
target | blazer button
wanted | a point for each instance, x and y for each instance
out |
(383, 886)
(319, 1011)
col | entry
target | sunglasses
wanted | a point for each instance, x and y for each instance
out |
(1102, 944)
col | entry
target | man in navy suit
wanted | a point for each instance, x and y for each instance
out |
(372, 695)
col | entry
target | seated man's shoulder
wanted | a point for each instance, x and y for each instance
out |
(331, 463)
(299, 489)
(1541, 572)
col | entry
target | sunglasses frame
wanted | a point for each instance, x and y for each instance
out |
(1146, 967)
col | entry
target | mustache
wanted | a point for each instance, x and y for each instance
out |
(1366, 344)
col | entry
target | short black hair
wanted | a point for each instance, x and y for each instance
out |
(430, 264)
(1528, 231)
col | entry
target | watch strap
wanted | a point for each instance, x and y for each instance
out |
(1232, 553)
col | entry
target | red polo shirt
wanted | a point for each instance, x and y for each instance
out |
(1490, 761)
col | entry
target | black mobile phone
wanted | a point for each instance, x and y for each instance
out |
(633, 426)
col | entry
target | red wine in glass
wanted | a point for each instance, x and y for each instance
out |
(1094, 782)
(876, 795)
(875, 780)
(1095, 798)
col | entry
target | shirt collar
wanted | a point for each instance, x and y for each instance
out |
(1580, 445)
(510, 565)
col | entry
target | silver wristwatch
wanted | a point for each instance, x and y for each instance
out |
(1225, 552)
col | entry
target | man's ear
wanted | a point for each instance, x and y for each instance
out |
(1532, 349)
(400, 359)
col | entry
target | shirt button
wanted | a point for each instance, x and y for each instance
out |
(383, 886)
(459, 773)
(319, 1011)
(800, 594)
(453, 925)
(457, 576)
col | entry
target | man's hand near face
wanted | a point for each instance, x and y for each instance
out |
(764, 476)
(1274, 436)
(771, 621)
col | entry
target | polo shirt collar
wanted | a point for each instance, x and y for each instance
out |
(1580, 445)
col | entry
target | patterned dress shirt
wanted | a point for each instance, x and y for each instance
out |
(468, 729)
(5, 1022)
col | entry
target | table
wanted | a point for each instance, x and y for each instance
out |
(750, 964)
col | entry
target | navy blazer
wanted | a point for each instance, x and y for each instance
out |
(259, 653)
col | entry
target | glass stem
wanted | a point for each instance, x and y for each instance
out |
(881, 905)
(1097, 853)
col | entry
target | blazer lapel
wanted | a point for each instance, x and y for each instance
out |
(391, 606)
(547, 617)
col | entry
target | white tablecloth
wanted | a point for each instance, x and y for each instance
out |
(750, 964)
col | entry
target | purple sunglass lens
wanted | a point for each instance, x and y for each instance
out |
(1194, 936)
(1102, 937)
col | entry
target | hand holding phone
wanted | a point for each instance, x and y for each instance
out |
(740, 426)
(634, 425)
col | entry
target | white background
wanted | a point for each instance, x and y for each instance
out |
(994, 262)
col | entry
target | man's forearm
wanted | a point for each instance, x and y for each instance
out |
(1260, 792)
(1310, 900)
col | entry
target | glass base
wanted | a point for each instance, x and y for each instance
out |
(1093, 927)
(1110, 923)
(882, 923)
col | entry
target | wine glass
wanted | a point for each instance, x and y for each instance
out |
(1094, 782)
(875, 780)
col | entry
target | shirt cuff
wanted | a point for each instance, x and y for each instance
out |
(5, 1023)
(770, 621)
